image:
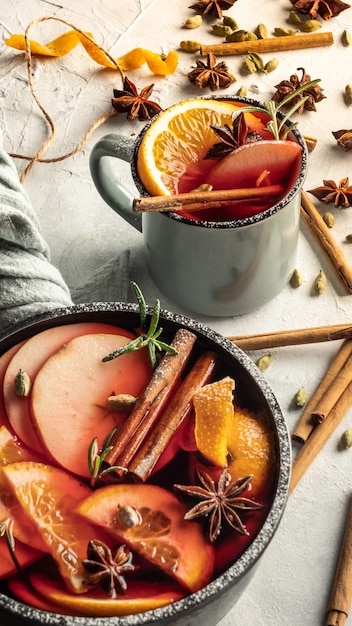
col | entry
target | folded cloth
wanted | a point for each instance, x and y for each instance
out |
(29, 283)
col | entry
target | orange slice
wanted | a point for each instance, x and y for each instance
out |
(139, 597)
(156, 529)
(214, 410)
(179, 137)
(48, 496)
(252, 449)
(13, 450)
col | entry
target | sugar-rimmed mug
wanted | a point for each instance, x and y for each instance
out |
(205, 267)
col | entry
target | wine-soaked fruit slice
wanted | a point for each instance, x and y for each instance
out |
(4, 362)
(213, 405)
(29, 358)
(150, 520)
(252, 450)
(48, 497)
(25, 556)
(69, 398)
(13, 450)
(140, 596)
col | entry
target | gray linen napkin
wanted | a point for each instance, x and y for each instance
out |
(29, 283)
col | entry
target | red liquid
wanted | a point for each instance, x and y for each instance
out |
(179, 468)
(269, 162)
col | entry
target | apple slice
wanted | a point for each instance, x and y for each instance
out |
(70, 392)
(157, 529)
(277, 161)
(30, 357)
(48, 496)
(140, 596)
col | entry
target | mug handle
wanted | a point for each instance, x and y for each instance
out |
(106, 180)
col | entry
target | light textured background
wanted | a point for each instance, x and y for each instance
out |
(292, 585)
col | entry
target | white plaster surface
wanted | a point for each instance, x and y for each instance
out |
(292, 585)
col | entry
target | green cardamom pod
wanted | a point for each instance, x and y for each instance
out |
(257, 60)
(221, 30)
(310, 26)
(230, 21)
(122, 402)
(329, 219)
(346, 38)
(348, 94)
(23, 383)
(301, 397)
(295, 18)
(242, 91)
(346, 438)
(271, 65)
(193, 22)
(320, 283)
(348, 238)
(238, 35)
(296, 279)
(261, 31)
(249, 66)
(264, 361)
(190, 46)
(284, 32)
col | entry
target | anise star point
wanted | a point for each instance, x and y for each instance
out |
(325, 8)
(212, 6)
(135, 104)
(211, 74)
(331, 192)
(106, 567)
(219, 502)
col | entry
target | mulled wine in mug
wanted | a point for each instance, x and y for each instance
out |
(237, 253)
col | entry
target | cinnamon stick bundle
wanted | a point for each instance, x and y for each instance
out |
(325, 239)
(270, 44)
(198, 200)
(306, 425)
(172, 418)
(152, 401)
(329, 399)
(320, 436)
(341, 592)
(295, 337)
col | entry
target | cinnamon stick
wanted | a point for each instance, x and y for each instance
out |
(270, 44)
(325, 239)
(281, 338)
(172, 418)
(153, 399)
(198, 200)
(341, 592)
(320, 436)
(329, 399)
(305, 425)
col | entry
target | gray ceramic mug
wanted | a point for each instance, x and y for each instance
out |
(209, 268)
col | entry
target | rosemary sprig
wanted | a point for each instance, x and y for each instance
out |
(6, 532)
(97, 456)
(276, 126)
(147, 339)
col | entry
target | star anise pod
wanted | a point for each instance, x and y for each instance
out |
(219, 502)
(343, 138)
(211, 74)
(312, 94)
(230, 138)
(212, 6)
(325, 8)
(106, 567)
(340, 195)
(135, 104)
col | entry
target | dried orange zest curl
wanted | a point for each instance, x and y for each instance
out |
(68, 41)
(156, 63)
